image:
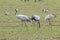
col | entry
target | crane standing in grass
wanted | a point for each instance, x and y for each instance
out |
(36, 18)
(49, 17)
(23, 18)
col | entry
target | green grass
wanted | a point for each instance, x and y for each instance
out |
(11, 29)
(23, 33)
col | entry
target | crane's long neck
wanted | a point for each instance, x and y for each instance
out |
(15, 11)
(32, 18)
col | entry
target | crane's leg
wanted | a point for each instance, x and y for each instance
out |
(33, 23)
(38, 24)
(21, 23)
(50, 24)
(25, 24)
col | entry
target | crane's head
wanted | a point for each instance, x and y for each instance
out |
(16, 10)
(32, 18)
(54, 15)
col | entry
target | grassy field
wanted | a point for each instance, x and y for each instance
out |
(10, 26)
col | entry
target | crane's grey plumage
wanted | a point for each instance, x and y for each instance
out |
(49, 17)
(23, 18)
(36, 18)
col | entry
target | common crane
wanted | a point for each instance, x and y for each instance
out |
(36, 18)
(49, 17)
(23, 18)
